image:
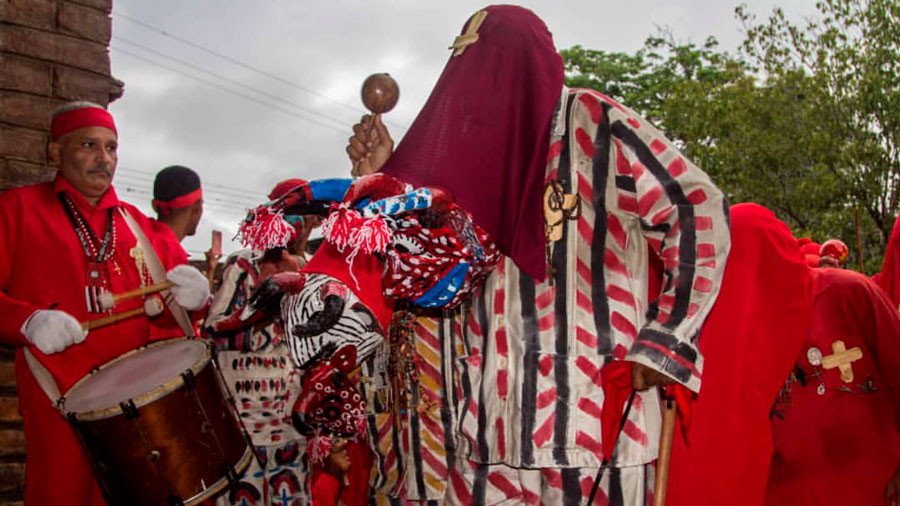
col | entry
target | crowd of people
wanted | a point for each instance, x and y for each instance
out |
(452, 342)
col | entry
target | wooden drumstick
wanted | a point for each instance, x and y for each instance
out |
(670, 409)
(152, 307)
(379, 94)
(108, 300)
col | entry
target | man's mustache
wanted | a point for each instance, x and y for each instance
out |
(102, 167)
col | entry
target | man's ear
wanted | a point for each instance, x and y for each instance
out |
(53, 149)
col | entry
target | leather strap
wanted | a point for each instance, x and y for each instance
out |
(42, 377)
(158, 274)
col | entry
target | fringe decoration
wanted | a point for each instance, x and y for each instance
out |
(373, 235)
(319, 448)
(339, 226)
(265, 229)
(346, 228)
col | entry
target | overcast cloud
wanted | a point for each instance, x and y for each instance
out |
(321, 51)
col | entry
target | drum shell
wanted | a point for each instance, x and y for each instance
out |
(179, 446)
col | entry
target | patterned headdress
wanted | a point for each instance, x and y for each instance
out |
(385, 239)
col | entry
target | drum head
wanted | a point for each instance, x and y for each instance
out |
(134, 374)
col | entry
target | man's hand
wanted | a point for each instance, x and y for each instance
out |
(191, 290)
(643, 377)
(829, 262)
(53, 331)
(338, 462)
(212, 259)
(892, 492)
(369, 147)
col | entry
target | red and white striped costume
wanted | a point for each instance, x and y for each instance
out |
(527, 355)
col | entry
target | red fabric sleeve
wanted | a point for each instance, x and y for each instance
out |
(356, 493)
(14, 311)
(890, 271)
(171, 254)
(325, 490)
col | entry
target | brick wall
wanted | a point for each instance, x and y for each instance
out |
(51, 52)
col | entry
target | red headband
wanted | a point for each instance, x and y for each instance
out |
(70, 121)
(166, 207)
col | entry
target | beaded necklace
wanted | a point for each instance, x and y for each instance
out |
(98, 252)
(403, 366)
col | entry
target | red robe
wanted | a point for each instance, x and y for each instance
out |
(749, 343)
(841, 446)
(889, 279)
(43, 264)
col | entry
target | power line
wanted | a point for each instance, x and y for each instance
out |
(229, 90)
(148, 178)
(151, 176)
(229, 80)
(222, 205)
(207, 192)
(245, 65)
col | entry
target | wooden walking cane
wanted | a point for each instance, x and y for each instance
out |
(670, 409)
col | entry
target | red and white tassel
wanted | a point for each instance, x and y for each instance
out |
(265, 230)
(373, 235)
(346, 228)
(338, 228)
(319, 448)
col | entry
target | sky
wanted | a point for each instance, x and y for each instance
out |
(251, 92)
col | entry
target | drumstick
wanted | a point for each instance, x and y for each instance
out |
(151, 307)
(108, 300)
(113, 318)
(665, 451)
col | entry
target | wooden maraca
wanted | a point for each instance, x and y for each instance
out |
(379, 94)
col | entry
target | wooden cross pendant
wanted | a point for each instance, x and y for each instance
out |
(842, 359)
(465, 40)
(138, 255)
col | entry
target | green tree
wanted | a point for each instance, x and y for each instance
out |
(803, 121)
(849, 61)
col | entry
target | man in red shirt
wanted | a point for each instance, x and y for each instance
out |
(61, 244)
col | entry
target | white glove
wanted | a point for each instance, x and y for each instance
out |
(53, 331)
(191, 290)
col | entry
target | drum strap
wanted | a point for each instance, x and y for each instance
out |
(158, 273)
(42, 377)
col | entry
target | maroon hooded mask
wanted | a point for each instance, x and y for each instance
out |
(483, 133)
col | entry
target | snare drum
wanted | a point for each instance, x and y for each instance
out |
(158, 427)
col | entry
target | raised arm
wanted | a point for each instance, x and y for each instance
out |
(684, 218)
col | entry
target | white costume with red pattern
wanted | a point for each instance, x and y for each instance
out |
(527, 400)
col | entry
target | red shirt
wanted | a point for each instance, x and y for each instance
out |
(837, 442)
(43, 265)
